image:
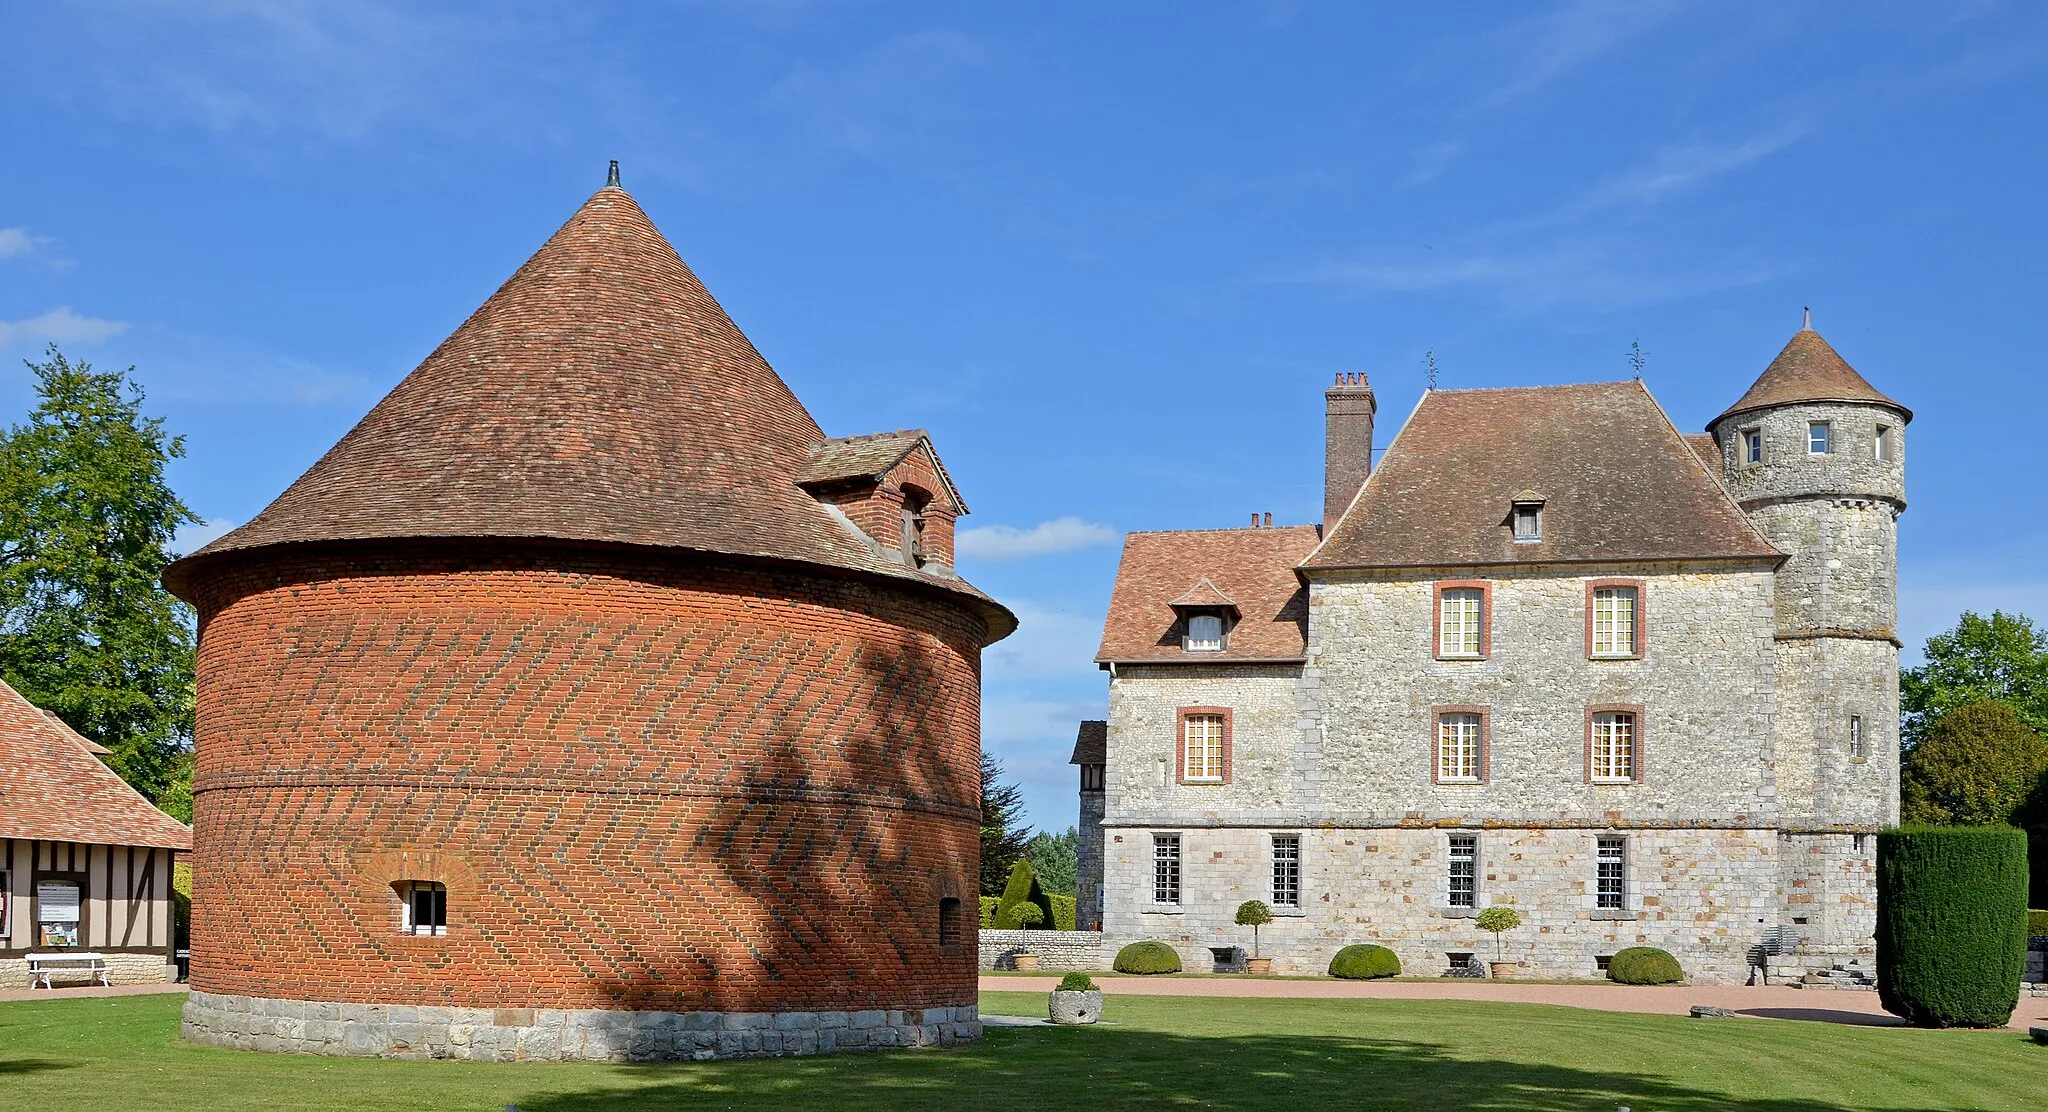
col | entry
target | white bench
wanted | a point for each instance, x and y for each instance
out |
(41, 966)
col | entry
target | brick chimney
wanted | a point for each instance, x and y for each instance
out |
(1347, 442)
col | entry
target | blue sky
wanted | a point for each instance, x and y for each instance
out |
(1108, 254)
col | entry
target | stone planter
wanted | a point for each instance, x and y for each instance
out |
(1258, 967)
(1501, 968)
(1075, 1007)
(1024, 960)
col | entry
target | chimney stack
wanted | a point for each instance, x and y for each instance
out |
(1347, 443)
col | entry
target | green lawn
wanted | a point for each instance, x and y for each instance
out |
(122, 1053)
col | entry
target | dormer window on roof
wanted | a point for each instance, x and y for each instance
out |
(1526, 518)
(1207, 613)
(1205, 633)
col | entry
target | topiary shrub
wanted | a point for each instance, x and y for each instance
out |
(1022, 889)
(1076, 982)
(1365, 963)
(1147, 957)
(2037, 923)
(1951, 924)
(1062, 911)
(1644, 965)
(988, 911)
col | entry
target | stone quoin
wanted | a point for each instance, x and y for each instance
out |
(587, 701)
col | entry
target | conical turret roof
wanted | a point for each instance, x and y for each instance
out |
(601, 394)
(1809, 370)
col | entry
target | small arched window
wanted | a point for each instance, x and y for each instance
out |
(949, 923)
(423, 906)
(914, 503)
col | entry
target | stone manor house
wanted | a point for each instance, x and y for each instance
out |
(1550, 652)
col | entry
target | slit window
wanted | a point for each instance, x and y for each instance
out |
(949, 922)
(1614, 748)
(1166, 869)
(914, 503)
(1610, 875)
(1287, 870)
(1463, 881)
(1883, 447)
(1856, 735)
(424, 906)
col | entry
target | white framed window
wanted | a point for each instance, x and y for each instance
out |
(1752, 446)
(1166, 869)
(1882, 446)
(1610, 873)
(1855, 735)
(1614, 621)
(1287, 870)
(1614, 747)
(1527, 520)
(1458, 738)
(1202, 748)
(1205, 634)
(1462, 882)
(1819, 438)
(423, 906)
(1461, 621)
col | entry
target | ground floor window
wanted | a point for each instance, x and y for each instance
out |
(1166, 868)
(1463, 888)
(424, 905)
(1287, 870)
(1610, 891)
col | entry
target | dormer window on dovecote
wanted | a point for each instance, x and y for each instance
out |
(1206, 615)
(1525, 517)
(890, 490)
(915, 499)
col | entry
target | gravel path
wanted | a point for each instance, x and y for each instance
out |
(1774, 1002)
(72, 992)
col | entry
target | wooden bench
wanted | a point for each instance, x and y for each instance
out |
(60, 962)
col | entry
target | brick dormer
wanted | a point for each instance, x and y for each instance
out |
(893, 489)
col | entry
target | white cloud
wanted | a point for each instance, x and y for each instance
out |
(885, 96)
(17, 241)
(191, 538)
(1534, 52)
(1007, 542)
(60, 326)
(1048, 643)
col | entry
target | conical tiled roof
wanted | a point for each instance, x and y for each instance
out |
(600, 395)
(1809, 370)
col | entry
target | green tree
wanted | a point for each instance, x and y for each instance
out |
(1056, 859)
(1003, 836)
(1977, 766)
(86, 518)
(2002, 657)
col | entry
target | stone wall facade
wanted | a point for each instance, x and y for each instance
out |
(558, 1035)
(1057, 951)
(1088, 863)
(123, 968)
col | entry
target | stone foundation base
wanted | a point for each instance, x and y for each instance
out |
(558, 1035)
(122, 969)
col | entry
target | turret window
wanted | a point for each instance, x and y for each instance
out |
(1819, 438)
(1752, 446)
(1884, 444)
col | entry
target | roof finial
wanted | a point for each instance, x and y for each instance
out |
(1806, 326)
(611, 177)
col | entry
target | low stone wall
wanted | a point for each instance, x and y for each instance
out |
(122, 969)
(555, 1035)
(1059, 951)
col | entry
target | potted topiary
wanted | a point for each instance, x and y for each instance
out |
(1077, 1000)
(1254, 914)
(1026, 916)
(1495, 921)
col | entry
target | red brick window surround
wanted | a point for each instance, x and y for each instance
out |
(1614, 743)
(1460, 744)
(1462, 625)
(1616, 619)
(1202, 745)
(422, 907)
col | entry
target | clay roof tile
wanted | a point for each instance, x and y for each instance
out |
(54, 788)
(1809, 369)
(1253, 567)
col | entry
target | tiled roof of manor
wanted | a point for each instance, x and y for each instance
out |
(601, 394)
(1809, 369)
(53, 788)
(1253, 568)
(1616, 480)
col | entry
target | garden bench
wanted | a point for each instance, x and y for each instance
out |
(41, 966)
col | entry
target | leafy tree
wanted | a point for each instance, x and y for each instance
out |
(2003, 657)
(1254, 914)
(86, 518)
(1496, 921)
(1002, 835)
(1056, 859)
(1977, 766)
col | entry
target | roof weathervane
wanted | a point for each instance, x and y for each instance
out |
(1807, 324)
(1637, 357)
(611, 177)
(1429, 358)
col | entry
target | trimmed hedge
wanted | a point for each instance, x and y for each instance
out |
(1951, 924)
(1022, 889)
(1147, 957)
(1365, 963)
(2037, 922)
(988, 911)
(1062, 911)
(1076, 982)
(1644, 965)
